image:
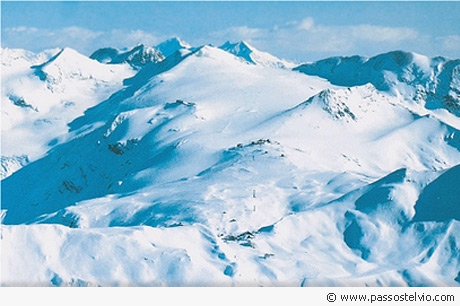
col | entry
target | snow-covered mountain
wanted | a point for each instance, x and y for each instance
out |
(205, 169)
(250, 54)
(172, 45)
(137, 57)
(431, 81)
(42, 93)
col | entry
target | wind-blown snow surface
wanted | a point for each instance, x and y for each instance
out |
(205, 169)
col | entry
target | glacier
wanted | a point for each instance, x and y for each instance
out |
(174, 165)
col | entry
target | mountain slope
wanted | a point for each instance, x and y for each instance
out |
(40, 99)
(433, 82)
(138, 122)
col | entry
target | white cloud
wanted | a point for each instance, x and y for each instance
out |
(76, 33)
(450, 43)
(21, 30)
(381, 34)
(308, 36)
(79, 38)
(297, 40)
(127, 38)
(239, 33)
(307, 24)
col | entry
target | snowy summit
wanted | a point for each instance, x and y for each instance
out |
(250, 54)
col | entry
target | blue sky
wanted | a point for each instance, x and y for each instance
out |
(299, 31)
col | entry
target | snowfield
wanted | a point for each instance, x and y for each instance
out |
(226, 166)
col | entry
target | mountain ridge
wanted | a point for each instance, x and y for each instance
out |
(416, 76)
(250, 54)
(138, 56)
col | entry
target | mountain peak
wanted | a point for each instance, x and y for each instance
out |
(240, 49)
(250, 54)
(137, 57)
(68, 64)
(179, 41)
(240, 45)
(64, 55)
(172, 45)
